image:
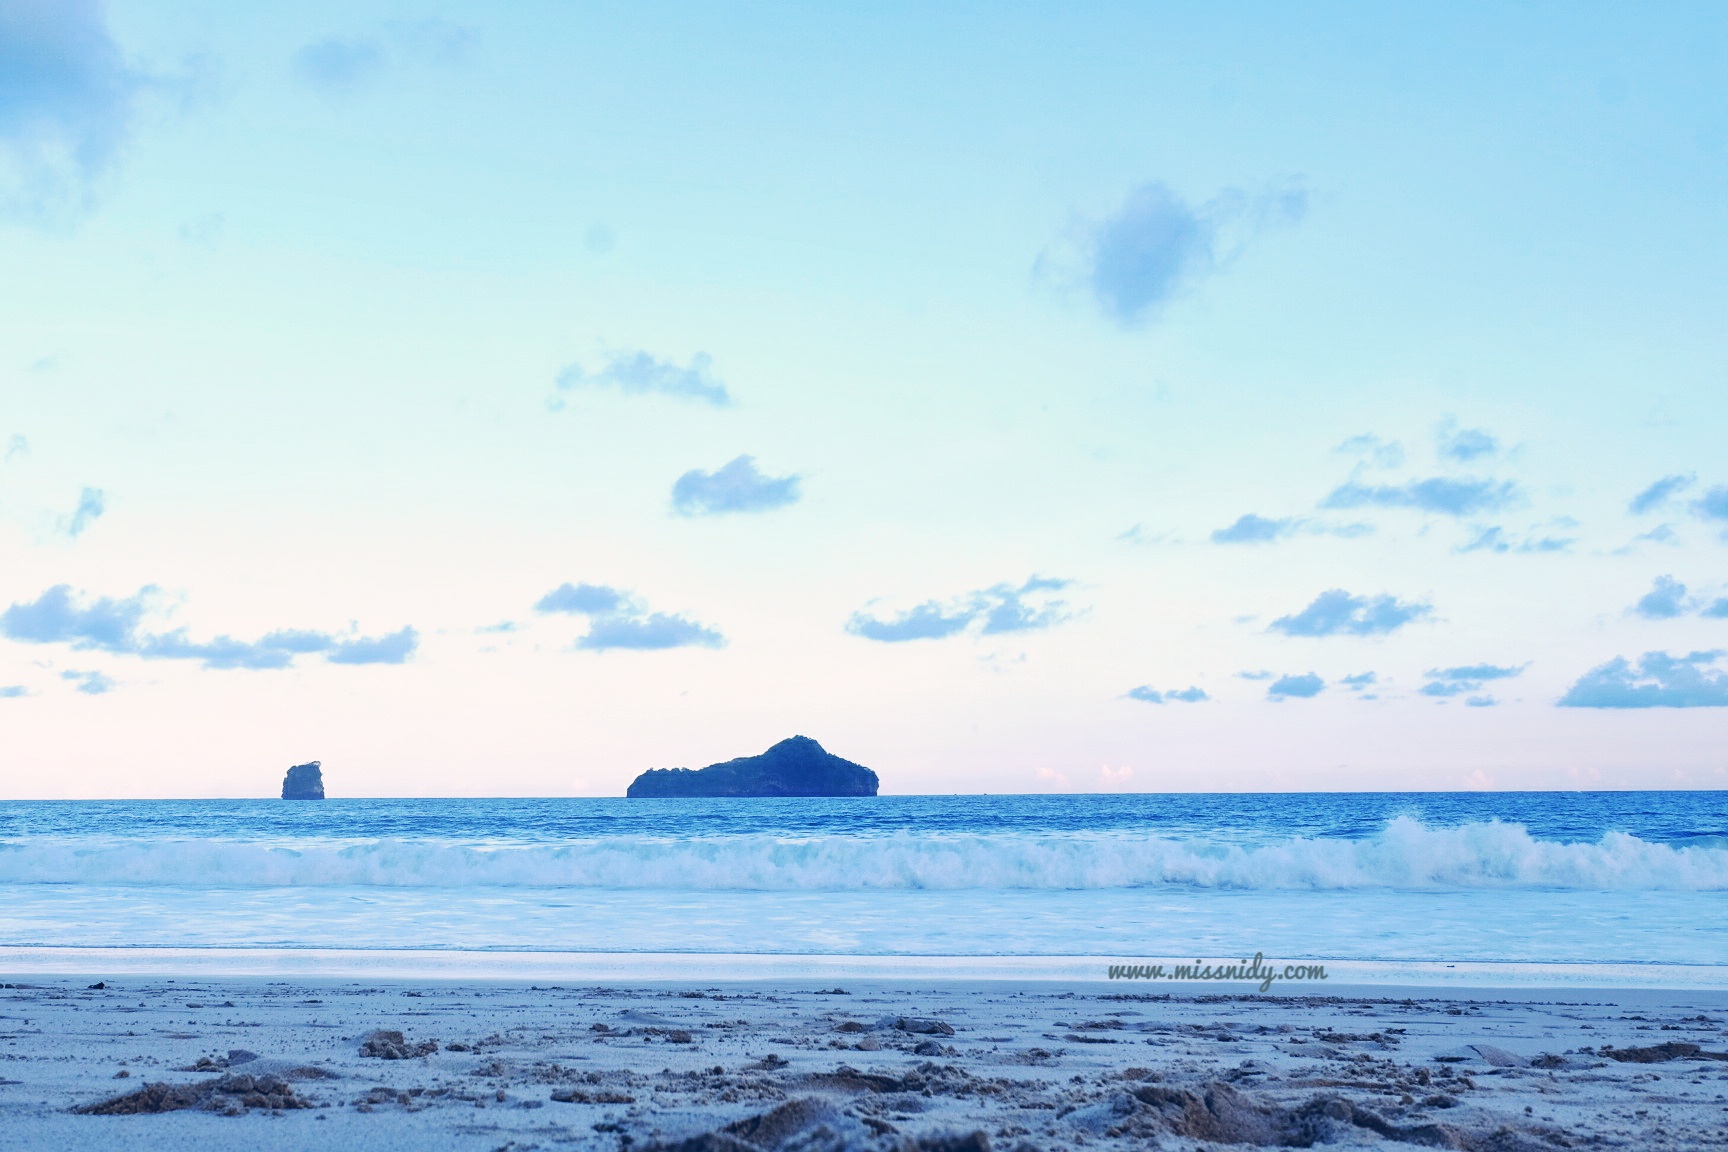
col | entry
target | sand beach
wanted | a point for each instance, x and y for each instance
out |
(264, 1063)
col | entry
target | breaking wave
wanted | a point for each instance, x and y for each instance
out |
(1404, 854)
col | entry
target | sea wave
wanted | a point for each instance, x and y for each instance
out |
(1404, 854)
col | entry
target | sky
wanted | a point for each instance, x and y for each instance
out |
(505, 399)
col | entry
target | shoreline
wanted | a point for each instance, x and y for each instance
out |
(656, 967)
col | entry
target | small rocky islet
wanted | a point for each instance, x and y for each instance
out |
(304, 782)
(797, 766)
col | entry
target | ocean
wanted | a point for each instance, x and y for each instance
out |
(1584, 878)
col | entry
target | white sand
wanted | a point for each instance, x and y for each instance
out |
(1041, 1065)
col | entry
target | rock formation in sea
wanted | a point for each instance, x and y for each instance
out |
(795, 767)
(304, 782)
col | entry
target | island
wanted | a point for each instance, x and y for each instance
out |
(795, 767)
(304, 782)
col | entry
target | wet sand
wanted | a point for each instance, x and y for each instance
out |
(261, 1064)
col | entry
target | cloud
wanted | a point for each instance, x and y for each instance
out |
(1455, 443)
(436, 41)
(1449, 682)
(1658, 680)
(1302, 687)
(90, 683)
(223, 652)
(92, 502)
(1002, 608)
(1152, 696)
(1481, 702)
(1494, 539)
(394, 648)
(1360, 681)
(1659, 493)
(1385, 453)
(1713, 504)
(67, 99)
(1337, 613)
(586, 599)
(616, 619)
(928, 621)
(1157, 246)
(343, 65)
(278, 649)
(1006, 608)
(646, 633)
(58, 616)
(1441, 494)
(205, 231)
(639, 374)
(1717, 609)
(1665, 600)
(13, 691)
(736, 487)
(337, 65)
(1252, 529)
(16, 445)
(1260, 674)
(1661, 534)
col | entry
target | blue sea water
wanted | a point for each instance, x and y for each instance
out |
(1579, 877)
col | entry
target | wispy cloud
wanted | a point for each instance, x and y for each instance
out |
(617, 619)
(1383, 453)
(1337, 613)
(1496, 539)
(1150, 695)
(1157, 246)
(1660, 493)
(59, 616)
(92, 502)
(13, 691)
(738, 486)
(1713, 505)
(1449, 682)
(1466, 444)
(1252, 529)
(1001, 608)
(1657, 680)
(90, 683)
(67, 97)
(1439, 494)
(343, 65)
(639, 374)
(1300, 687)
(337, 64)
(1360, 681)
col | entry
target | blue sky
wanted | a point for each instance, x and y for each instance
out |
(506, 399)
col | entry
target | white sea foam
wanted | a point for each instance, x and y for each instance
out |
(1404, 854)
